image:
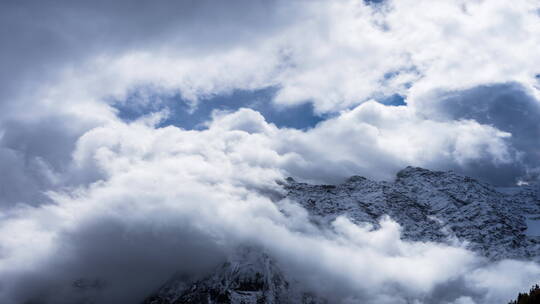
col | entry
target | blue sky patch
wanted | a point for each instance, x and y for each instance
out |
(392, 100)
(373, 1)
(141, 102)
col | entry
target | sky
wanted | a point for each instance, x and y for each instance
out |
(157, 125)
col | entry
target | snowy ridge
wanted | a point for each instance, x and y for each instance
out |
(429, 205)
(432, 206)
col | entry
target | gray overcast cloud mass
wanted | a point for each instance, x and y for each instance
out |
(86, 194)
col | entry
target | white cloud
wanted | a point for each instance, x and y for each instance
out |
(339, 54)
(387, 138)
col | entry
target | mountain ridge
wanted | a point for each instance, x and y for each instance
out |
(432, 206)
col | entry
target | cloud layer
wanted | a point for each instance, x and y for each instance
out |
(173, 201)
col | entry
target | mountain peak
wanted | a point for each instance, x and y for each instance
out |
(355, 179)
(432, 206)
(418, 171)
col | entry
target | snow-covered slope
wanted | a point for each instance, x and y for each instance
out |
(249, 277)
(430, 206)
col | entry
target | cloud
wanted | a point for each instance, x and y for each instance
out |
(336, 54)
(173, 201)
(43, 38)
(373, 140)
(509, 107)
(36, 156)
(387, 138)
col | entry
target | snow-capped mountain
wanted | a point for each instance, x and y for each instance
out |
(433, 206)
(429, 205)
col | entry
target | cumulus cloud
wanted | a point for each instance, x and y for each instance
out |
(376, 136)
(372, 140)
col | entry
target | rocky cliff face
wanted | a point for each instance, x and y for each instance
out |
(429, 205)
(433, 206)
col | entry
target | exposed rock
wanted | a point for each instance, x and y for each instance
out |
(429, 205)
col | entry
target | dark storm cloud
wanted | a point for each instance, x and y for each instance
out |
(508, 107)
